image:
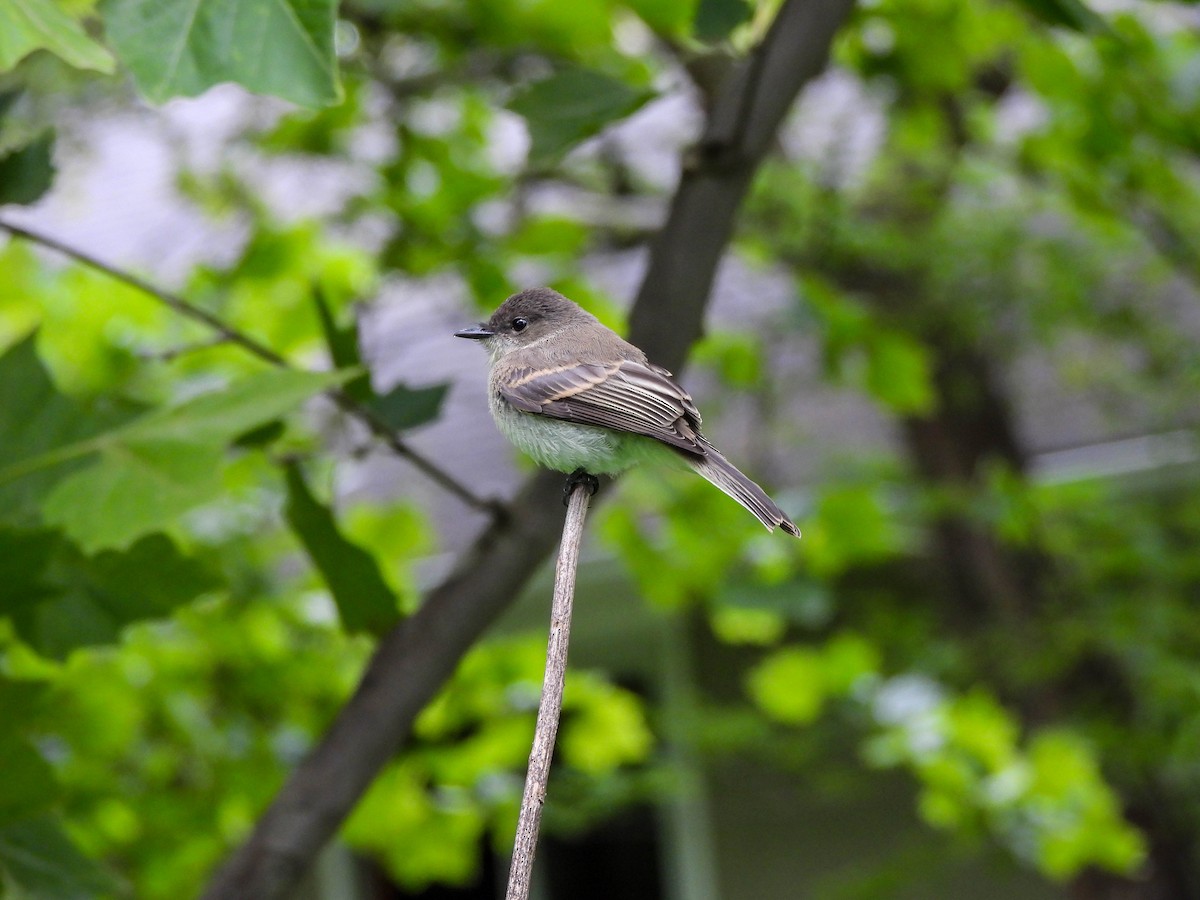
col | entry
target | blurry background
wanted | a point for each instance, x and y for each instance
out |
(955, 335)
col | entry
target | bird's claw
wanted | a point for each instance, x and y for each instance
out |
(580, 476)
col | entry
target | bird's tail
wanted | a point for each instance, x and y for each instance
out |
(724, 475)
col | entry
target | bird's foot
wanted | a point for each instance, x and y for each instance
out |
(580, 476)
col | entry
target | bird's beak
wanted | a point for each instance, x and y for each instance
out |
(475, 333)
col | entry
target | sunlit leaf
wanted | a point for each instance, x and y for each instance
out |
(738, 357)
(789, 685)
(417, 839)
(29, 25)
(607, 731)
(1089, 828)
(740, 625)
(135, 487)
(670, 17)
(220, 416)
(852, 525)
(899, 373)
(848, 659)
(36, 420)
(184, 47)
(166, 462)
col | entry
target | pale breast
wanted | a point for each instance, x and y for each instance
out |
(561, 445)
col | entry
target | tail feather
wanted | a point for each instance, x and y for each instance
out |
(724, 475)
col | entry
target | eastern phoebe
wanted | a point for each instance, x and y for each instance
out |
(568, 391)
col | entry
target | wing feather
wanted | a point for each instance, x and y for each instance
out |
(625, 396)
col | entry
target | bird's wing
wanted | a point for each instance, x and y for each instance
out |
(625, 396)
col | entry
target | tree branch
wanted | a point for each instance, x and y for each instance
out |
(232, 335)
(412, 662)
(668, 315)
(550, 708)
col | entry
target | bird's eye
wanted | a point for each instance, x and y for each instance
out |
(519, 324)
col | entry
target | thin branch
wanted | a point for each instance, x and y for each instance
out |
(165, 297)
(173, 353)
(413, 661)
(228, 334)
(387, 434)
(550, 709)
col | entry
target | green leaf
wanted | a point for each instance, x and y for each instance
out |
(184, 47)
(136, 487)
(94, 597)
(40, 861)
(28, 786)
(19, 700)
(221, 416)
(606, 727)
(36, 421)
(568, 107)
(738, 357)
(900, 373)
(668, 17)
(7, 99)
(23, 559)
(342, 342)
(364, 601)
(789, 685)
(260, 435)
(29, 25)
(1073, 14)
(852, 525)
(27, 173)
(404, 407)
(716, 19)
(165, 462)
(807, 603)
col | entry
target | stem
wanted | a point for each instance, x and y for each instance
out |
(232, 335)
(552, 695)
(32, 464)
(163, 296)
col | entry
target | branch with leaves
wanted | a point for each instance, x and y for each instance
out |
(352, 407)
(414, 659)
(906, 254)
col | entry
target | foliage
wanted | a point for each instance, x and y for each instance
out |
(444, 796)
(283, 48)
(187, 595)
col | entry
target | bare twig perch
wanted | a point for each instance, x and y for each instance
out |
(550, 708)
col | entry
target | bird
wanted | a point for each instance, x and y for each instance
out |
(576, 397)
